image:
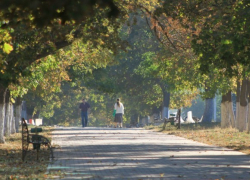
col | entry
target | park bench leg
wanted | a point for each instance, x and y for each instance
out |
(37, 154)
(47, 143)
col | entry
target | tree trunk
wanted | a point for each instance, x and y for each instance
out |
(7, 114)
(231, 110)
(227, 114)
(12, 120)
(237, 104)
(209, 110)
(36, 115)
(18, 113)
(166, 102)
(24, 110)
(243, 107)
(224, 114)
(2, 113)
(248, 115)
(215, 110)
(30, 111)
(133, 120)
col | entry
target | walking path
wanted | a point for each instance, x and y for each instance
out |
(138, 154)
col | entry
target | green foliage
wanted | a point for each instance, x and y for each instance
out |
(33, 37)
(37, 13)
(219, 32)
(135, 56)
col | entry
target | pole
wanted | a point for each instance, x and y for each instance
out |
(179, 119)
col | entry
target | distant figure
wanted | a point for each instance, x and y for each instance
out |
(84, 106)
(119, 113)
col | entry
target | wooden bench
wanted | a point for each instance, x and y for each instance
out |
(35, 139)
(170, 120)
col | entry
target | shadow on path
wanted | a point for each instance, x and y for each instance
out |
(106, 153)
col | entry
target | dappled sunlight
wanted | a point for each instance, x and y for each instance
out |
(137, 153)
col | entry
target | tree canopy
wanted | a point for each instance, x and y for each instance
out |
(180, 46)
(42, 13)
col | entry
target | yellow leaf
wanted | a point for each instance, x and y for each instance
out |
(7, 48)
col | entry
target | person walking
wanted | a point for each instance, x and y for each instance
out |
(84, 107)
(119, 113)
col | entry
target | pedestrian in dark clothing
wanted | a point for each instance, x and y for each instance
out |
(84, 106)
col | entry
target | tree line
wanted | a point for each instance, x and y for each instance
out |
(155, 55)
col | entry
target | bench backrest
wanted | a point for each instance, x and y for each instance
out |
(25, 138)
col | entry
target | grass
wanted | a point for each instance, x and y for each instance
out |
(13, 168)
(211, 134)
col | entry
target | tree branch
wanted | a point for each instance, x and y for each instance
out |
(162, 27)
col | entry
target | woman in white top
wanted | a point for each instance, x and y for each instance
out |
(119, 113)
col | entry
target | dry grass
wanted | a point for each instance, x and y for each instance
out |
(211, 134)
(11, 164)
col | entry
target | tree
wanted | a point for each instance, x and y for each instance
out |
(43, 13)
(36, 43)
